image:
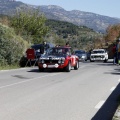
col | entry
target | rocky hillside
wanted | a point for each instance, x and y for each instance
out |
(9, 7)
(91, 20)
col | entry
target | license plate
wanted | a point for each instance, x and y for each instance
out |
(51, 66)
(98, 58)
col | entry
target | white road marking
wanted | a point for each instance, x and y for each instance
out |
(119, 80)
(26, 81)
(54, 74)
(99, 105)
(112, 89)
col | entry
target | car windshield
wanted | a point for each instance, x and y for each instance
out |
(98, 51)
(79, 52)
(58, 50)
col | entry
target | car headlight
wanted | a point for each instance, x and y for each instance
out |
(83, 56)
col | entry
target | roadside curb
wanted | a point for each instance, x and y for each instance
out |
(12, 69)
(117, 112)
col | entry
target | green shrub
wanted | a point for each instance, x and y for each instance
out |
(12, 47)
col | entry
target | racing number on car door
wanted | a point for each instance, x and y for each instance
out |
(73, 59)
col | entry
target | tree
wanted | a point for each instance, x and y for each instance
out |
(30, 23)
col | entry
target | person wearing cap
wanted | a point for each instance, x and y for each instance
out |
(118, 50)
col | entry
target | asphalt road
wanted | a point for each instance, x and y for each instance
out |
(85, 94)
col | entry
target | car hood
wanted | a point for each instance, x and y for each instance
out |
(97, 54)
(81, 55)
(53, 57)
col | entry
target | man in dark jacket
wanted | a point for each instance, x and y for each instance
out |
(118, 50)
(67, 44)
(114, 51)
(44, 47)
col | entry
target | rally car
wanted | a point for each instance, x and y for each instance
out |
(99, 55)
(58, 58)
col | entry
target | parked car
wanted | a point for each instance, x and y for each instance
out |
(36, 47)
(58, 58)
(81, 54)
(99, 55)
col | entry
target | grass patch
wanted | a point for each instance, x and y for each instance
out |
(117, 114)
(8, 67)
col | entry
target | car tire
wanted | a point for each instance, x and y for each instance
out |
(105, 60)
(91, 60)
(76, 66)
(68, 67)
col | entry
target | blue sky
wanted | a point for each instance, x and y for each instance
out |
(103, 7)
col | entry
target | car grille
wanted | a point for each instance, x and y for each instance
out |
(100, 56)
(50, 61)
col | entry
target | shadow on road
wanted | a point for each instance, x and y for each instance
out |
(108, 110)
(105, 64)
(45, 71)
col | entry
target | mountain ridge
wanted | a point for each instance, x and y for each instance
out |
(92, 20)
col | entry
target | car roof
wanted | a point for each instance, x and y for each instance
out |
(37, 46)
(80, 51)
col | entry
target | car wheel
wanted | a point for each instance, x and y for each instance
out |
(68, 67)
(105, 60)
(76, 66)
(91, 60)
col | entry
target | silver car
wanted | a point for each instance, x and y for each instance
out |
(81, 54)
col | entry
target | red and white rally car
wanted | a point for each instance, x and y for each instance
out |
(58, 58)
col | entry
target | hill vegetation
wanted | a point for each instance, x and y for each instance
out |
(19, 32)
(77, 17)
(80, 37)
(11, 46)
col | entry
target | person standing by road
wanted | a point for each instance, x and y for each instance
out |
(118, 50)
(67, 44)
(114, 53)
(44, 47)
